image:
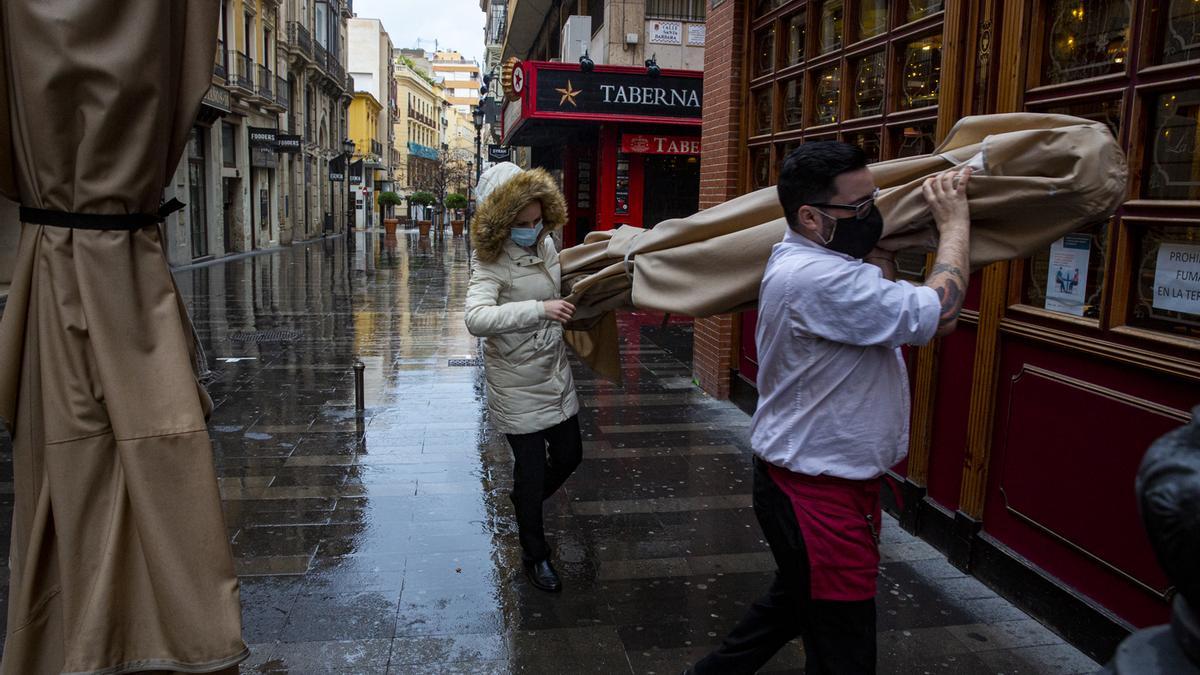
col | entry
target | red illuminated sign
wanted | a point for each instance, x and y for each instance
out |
(650, 144)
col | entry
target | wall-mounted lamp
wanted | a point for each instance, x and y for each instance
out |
(652, 68)
(585, 62)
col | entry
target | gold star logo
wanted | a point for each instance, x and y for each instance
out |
(568, 94)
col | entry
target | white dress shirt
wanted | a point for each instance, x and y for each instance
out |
(832, 385)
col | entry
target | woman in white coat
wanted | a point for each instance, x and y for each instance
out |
(513, 302)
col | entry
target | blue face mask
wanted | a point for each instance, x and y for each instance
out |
(525, 236)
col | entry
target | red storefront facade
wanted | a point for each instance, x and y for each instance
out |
(1030, 420)
(625, 143)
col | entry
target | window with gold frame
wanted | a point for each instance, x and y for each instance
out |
(1139, 274)
(864, 71)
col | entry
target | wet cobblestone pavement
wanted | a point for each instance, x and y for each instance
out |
(386, 543)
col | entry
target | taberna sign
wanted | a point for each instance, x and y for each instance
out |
(653, 144)
(623, 93)
(262, 137)
(499, 153)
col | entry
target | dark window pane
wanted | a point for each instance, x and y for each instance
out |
(872, 18)
(764, 60)
(763, 6)
(868, 141)
(1107, 111)
(869, 82)
(760, 161)
(228, 146)
(832, 13)
(922, 72)
(1174, 171)
(796, 36)
(793, 102)
(1068, 276)
(915, 139)
(919, 9)
(910, 266)
(1182, 39)
(1164, 300)
(829, 87)
(1087, 38)
(762, 111)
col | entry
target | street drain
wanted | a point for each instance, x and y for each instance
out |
(464, 363)
(272, 335)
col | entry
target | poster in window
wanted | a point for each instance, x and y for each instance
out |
(1066, 283)
(264, 208)
(1177, 278)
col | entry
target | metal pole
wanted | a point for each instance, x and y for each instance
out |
(359, 389)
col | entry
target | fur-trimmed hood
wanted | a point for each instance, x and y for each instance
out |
(494, 219)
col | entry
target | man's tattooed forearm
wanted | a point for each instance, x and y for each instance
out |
(951, 297)
(939, 268)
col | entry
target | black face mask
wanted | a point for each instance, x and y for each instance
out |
(856, 237)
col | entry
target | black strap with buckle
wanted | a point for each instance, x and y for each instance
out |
(99, 221)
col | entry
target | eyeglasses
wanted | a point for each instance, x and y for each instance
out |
(861, 210)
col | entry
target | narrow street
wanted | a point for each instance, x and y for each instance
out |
(386, 543)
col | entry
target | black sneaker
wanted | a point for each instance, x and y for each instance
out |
(542, 575)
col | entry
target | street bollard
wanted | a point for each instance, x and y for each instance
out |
(359, 395)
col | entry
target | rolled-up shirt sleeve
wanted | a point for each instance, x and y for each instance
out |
(850, 302)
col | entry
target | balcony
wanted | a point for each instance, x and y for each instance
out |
(376, 148)
(299, 40)
(243, 75)
(334, 69)
(320, 55)
(282, 92)
(265, 80)
(220, 69)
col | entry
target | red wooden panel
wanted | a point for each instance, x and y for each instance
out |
(1070, 433)
(951, 402)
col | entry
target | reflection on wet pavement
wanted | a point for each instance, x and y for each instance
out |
(385, 543)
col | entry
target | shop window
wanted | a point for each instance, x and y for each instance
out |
(872, 18)
(764, 59)
(1174, 163)
(1068, 276)
(832, 14)
(919, 9)
(228, 145)
(921, 73)
(915, 139)
(868, 141)
(793, 102)
(1107, 111)
(762, 110)
(796, 30)
(1168, 271)
(828, 90)
(760, 163)
(869, 83)
(1181, 41)
(1085, 38)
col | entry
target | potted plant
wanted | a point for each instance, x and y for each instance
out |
(388, 201)
(456, 202)
(422, 199)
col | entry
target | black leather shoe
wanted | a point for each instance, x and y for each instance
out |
(542, 575)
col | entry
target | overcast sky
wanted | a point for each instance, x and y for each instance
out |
(455, 24)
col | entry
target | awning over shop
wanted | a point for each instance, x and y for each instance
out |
(546, 96)
(525, 21)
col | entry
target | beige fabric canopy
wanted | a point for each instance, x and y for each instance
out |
(1036, 177)
(119, 559)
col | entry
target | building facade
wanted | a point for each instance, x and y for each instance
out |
(366, 115)
(1030, 420)
(255, 171)
(373, 69)
(573, 104)
(460, 78)
(418, 128)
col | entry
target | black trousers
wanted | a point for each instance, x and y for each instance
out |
(839, 637)
(544, 461)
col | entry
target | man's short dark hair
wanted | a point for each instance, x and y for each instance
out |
(808, 173)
